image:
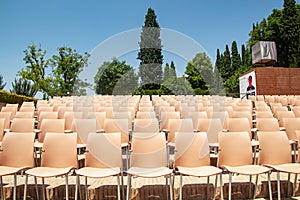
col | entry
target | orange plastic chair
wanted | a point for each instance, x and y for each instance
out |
(59, 157)
(103, 159)
(192, 159)
(235, 156)
(16, 155)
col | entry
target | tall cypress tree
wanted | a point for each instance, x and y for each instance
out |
(226, 71)
(291, 34)
(235, 57)
(172, 72)
(166, 71)
(150, 54)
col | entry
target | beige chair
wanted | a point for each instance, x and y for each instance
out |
(192, 159)
(59, 157)
(69, 120)
(84, 127)
(264, 114)
(235, 156)
(239, 125)
(267, 124)
(6, 117)
(46, 115)
(16, 155)
(212, 127)
(292, 125)
(2, 127)
(103, 159)
(27, 109)
(148, 159)
(51, 125)
(284, 114)
(146, 125)
(118, 125)
(22, 125)
(165, 116)
(99, 116)
(11, 110)
(195, 116)
(275, 152)
(24, 115)
(178, 125)
(145, 114)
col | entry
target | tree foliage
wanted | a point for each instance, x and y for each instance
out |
(2, 84)
(115, 77)
(24, 87)
(199, 71)
(235, 57)
(60, 80)
(150, 54)
(67, 66)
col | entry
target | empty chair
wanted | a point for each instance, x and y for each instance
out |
(16, 155)
(178, 125)
(6, 117)
(11, 110)
(84, 127)
(146, 125)
(192, 159)
(148, 159)
(59, 157)
(24, 115)
(51, 125)
(267, 124)
(212, 127)
(2, 124)
(195, 116)
(103, 158)
(292, 128)
(118, 125)
(22, 125)
(275, 152)
(284, 114)
(243, 114)
(264, 114)
(99, 116)
(165, 116)
(69, 120)
(46, 115)
(61, 111)
(239, 125)
(145, 115)
(235, 157)
(27, 109)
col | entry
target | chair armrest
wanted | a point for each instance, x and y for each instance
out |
(165, 130)
(68, 131)
(282, 128)
(253, 129)
(100, 131)
(6, 130)
(225, 130)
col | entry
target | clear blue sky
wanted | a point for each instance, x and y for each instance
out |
(82, 25)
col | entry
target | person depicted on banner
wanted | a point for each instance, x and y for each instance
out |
(250, 88)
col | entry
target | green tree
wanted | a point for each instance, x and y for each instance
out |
(150, 54)
(177, 86)
(226, 69)
(166, 71)
(2, 84)
(235, 57)
(172, 72)
(199, 72)
(67, 66)
(217, 83)
(35, 70)
(24, 87)
(115, 77)
(291, 34)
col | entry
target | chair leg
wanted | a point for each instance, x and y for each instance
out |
(229, 189)
(1, 188)
(67, 187)
(128, 186)
(167, 187)
(43, 188)
(171, 188)
(25, 187)
(119, 190)
(122, 183)
(221, 187)
(207, 188)
(250, 186)
(86, 189)
(36, 188)
(288, 185)
(215, 188)
(15, 187)
(278, 185)
(180, 191)
(270, 187)
(294, 185)
(255, 187)
(76, 187)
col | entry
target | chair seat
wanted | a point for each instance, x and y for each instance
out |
(149, 172)
(98, 172)
(5, 170)
(293, 168)
(199, 171)
(247, 169)
(48, 171)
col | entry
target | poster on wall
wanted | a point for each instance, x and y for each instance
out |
(247, 85)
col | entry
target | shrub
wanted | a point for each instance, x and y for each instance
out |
(7, 97)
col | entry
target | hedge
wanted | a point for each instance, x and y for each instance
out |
(7, 97)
